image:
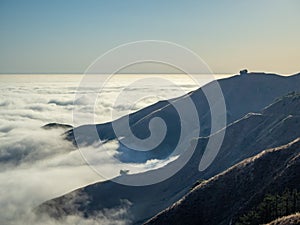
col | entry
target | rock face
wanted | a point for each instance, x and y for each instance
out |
(246, 137)
(220, 199)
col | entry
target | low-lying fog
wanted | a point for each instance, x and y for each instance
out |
(38, 164)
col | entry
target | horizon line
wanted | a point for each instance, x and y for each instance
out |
(140, 73)
(76, 73)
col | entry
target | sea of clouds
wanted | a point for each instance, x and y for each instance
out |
(38, 164)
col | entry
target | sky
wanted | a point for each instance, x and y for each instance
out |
(61, 36)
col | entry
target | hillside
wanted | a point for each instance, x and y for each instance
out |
(223, 198)
(242, 94)
(244, 138)
(275, 125)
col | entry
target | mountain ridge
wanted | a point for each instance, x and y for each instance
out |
(243, 139)
(187, 210)
(255, 91)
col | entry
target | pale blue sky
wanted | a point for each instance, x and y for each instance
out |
(67, 36)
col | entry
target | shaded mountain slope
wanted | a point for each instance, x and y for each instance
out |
(222, 198)
(242, 94)
(276, 125)
(244, 138)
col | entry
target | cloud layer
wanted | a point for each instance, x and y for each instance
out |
(37, 165)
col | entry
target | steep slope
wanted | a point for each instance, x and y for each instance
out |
(242, 94)
(276, 125)
(222, 198)
(244, 138)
